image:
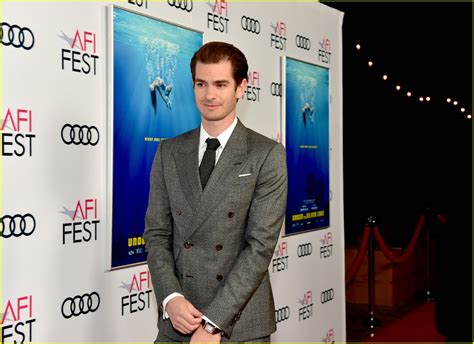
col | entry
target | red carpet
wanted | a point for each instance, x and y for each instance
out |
(416, 326)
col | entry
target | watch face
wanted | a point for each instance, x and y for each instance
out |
(209, 328)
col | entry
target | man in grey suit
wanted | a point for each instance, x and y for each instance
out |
(216, 205)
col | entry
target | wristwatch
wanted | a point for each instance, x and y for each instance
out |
(209, 328)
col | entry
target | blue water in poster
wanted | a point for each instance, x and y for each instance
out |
(307, 146)
(153, 100)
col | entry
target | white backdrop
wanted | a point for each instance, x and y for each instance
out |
(53, 255)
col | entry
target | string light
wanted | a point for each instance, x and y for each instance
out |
(410, 94)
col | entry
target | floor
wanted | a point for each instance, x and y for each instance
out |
(392, 327)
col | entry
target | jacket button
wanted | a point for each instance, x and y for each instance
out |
(219, 277)
(231, 214)
(187, 244)
(179, 211)
(219, 247)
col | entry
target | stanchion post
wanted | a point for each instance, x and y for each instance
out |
(371, 321)
(428, 222)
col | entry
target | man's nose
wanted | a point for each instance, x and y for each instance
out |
(210, 92)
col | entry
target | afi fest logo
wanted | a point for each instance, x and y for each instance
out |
(280, 263)
(83, 227)
(80, 56)
(278, 36)
(325, 251)
(329, 337)
(218, 20)
(17, 133)
(252, 92)
(17, 320)
(139, 290)
(306, 309)
(324, 52)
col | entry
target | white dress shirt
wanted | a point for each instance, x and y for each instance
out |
(223, 138)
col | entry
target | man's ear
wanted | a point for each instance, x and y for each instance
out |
(241, 89)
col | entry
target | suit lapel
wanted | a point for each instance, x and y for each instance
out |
(187, 164)
(218, 185)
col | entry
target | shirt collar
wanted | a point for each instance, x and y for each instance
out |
(223, 137)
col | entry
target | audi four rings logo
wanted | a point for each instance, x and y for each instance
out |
(18, 225)
(80, 134)
(250, 24)
(185, 5)
(327, 295)
(303, 42)
(80, 304)
(304, 250)
(275, 89)
(18, 37)
(282, 314)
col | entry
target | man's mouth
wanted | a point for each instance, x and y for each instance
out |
(210, 106)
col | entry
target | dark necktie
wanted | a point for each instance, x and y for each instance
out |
(208, 160)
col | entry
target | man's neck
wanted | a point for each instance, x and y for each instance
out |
(215, 128)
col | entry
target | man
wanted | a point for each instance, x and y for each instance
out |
(210, 241)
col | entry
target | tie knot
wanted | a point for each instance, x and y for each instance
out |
(212, 144)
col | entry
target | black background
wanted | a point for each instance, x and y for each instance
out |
(402, 156)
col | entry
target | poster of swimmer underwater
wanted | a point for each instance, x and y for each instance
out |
(305, 121)
(151, 99)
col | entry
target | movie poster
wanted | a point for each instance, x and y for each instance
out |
(306, 125)
(152, 100)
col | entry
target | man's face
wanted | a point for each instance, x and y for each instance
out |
(215, 91)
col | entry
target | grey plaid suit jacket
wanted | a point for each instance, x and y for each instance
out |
(214, 245)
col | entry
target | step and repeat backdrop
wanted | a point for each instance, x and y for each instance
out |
(89, 91)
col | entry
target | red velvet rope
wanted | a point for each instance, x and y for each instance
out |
(357, 263)
(411, 246)
(359, 259)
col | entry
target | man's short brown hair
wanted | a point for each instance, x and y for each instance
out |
(215, 52)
